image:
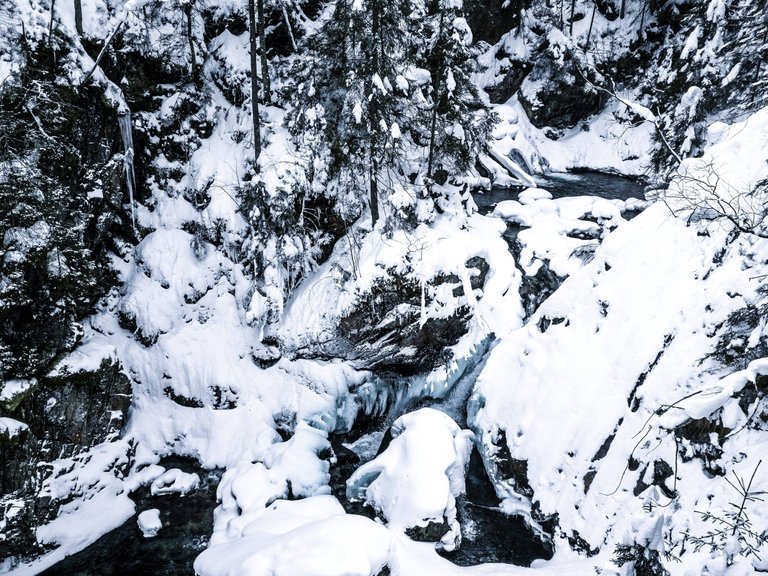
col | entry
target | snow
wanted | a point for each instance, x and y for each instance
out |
(721, 184)
(12, 388)
(417, 479)
(357, 112)
(149, 522)
(175, 481)
(560, 231)
(292, 538)
(638, 318)
(635, 323)
(11, 428)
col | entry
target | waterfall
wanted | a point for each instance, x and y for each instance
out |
(124, 121)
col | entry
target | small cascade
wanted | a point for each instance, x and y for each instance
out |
(126, 133)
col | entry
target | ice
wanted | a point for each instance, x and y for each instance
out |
(149, 522)
(126, 133)
(417, 479)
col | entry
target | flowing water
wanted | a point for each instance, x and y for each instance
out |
(564, 185)
(187, 525)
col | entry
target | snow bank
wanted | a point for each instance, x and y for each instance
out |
(174, 481)
(577, 392)
(561, 232)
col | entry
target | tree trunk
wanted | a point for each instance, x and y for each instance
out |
(50, 25)
(79, 17)
(288, 26)
(591, 22)
(103, 51)
(374, 185)
(254, 84)
(263, 46)
(573, 10)
(623, 9)
(192, 56)
(372, 113)
(562, 22)
(438, 74)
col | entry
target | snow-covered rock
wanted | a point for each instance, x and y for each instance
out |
(175, 481)
(418, 477)
(295, 538)
(149, 522)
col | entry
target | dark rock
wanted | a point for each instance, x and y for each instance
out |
(537, 288)
(695, 441)
(511, 468)
(491, 19)
(661, 471)
(66, 415)
(557, 96)
(382, 332)
(430, 532)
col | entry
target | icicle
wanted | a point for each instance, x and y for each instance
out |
(124, 121)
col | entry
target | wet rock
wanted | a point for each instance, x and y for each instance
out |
(431, 532)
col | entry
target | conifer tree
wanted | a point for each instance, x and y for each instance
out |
(385, 90)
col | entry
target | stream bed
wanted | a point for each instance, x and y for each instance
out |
(565, 185)
(488, 534)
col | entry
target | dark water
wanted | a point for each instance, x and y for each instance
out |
(489, 535)
(187, 525)
(559, 185)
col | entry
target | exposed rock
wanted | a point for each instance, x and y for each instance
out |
(431, 532)
(66, 414)
(382, 332)
(557, 95)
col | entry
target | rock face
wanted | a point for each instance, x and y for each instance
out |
(556, 95)
(491, 19)
(383, 332)
(65, 415)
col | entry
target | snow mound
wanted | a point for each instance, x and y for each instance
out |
(174, 481)
(295, 538)
(417, 479)
(149, 522)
